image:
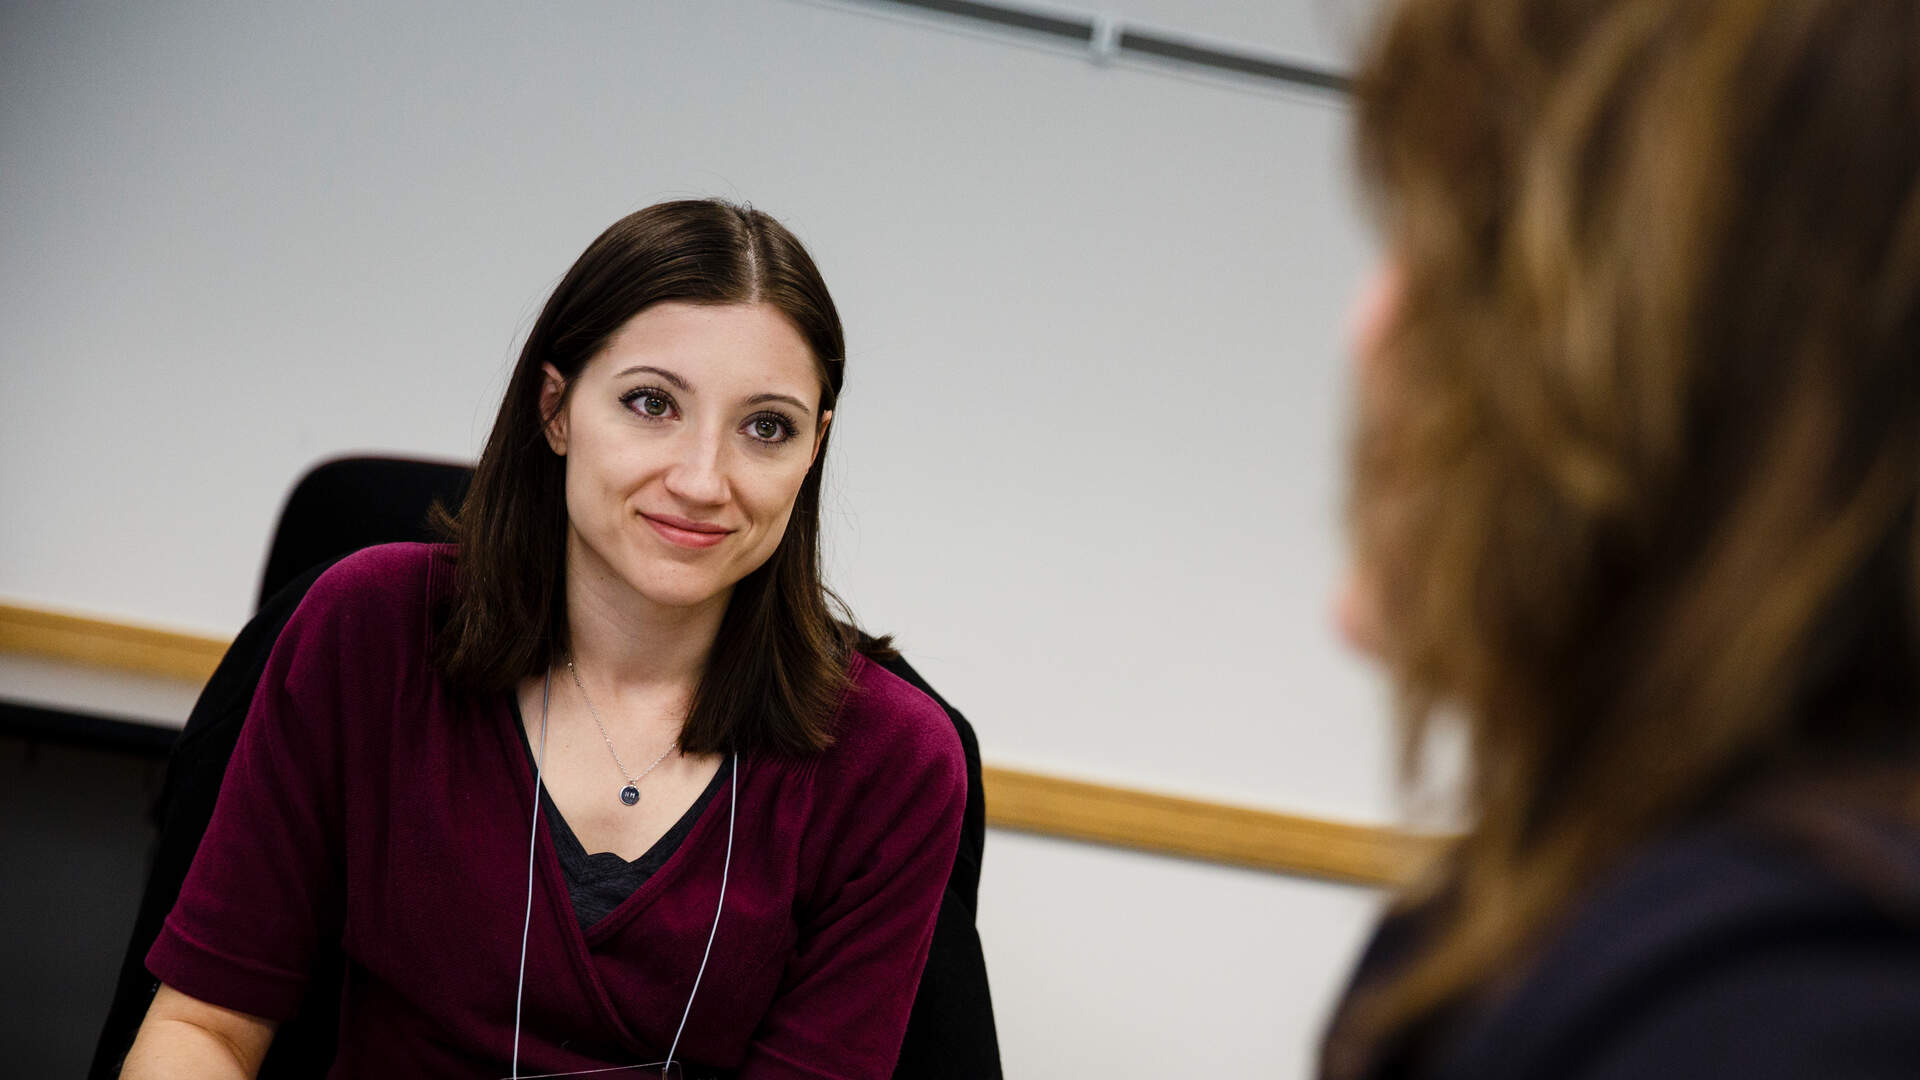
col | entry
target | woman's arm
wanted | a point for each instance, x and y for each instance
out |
(266, 890)
(189, 1039)
(886, 837)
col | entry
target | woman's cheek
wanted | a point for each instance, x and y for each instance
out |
(1356, 611)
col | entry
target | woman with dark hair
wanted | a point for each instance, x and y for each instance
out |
(740, 825)
(1634, 500)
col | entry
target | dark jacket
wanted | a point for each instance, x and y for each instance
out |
(1736, 948)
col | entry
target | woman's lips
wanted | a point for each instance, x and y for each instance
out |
(681, 532)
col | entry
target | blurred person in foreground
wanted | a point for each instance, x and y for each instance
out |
(1634, 497)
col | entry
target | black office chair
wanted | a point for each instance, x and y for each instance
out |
(336, 509)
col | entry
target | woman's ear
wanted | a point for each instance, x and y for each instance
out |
(820, 436)
(553, 399)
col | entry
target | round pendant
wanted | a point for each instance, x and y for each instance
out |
(629, 794)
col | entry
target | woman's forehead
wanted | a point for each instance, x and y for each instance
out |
(713, 348)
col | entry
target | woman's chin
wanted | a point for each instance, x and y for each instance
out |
(675, 591)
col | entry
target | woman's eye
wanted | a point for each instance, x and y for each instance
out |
(770, 429)
(652, 405)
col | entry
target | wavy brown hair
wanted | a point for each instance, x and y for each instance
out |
(778, 668)
(1639, 491)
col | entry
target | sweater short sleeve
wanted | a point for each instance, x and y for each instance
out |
(266, 887)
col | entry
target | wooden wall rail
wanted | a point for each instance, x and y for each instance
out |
(102, 643)
(1025, 801)
(1197, 829)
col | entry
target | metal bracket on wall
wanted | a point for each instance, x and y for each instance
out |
(1108, 37)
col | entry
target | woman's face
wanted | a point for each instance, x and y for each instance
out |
(1357, 609)
(686, 441)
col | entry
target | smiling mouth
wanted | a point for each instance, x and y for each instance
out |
(681, 532)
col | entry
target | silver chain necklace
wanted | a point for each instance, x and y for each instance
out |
(630, 794)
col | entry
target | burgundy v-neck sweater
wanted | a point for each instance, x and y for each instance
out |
(370, 803)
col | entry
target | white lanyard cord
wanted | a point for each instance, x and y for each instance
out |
(726, 868)
(533, 833)
(733, 801)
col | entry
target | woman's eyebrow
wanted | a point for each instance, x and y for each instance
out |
(678, 382)
(762, 399)
(682, 384)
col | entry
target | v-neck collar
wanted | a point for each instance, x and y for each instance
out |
(581, 942)
(573, 852)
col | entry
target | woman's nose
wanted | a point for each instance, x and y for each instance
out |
(698, 473)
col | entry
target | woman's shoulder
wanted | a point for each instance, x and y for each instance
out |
(890, 791)
(384, 570)
(377, 598)
(889, 724)
(1729, 945)
(1732, 883)
(382, 578)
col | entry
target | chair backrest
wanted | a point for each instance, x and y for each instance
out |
(336, 509)
(346, 504)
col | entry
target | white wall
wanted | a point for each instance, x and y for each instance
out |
(1087, 462)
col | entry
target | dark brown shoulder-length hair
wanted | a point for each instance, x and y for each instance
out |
(779, 666)
(1637, 483)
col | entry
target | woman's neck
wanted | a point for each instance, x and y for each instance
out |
(630, 644)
